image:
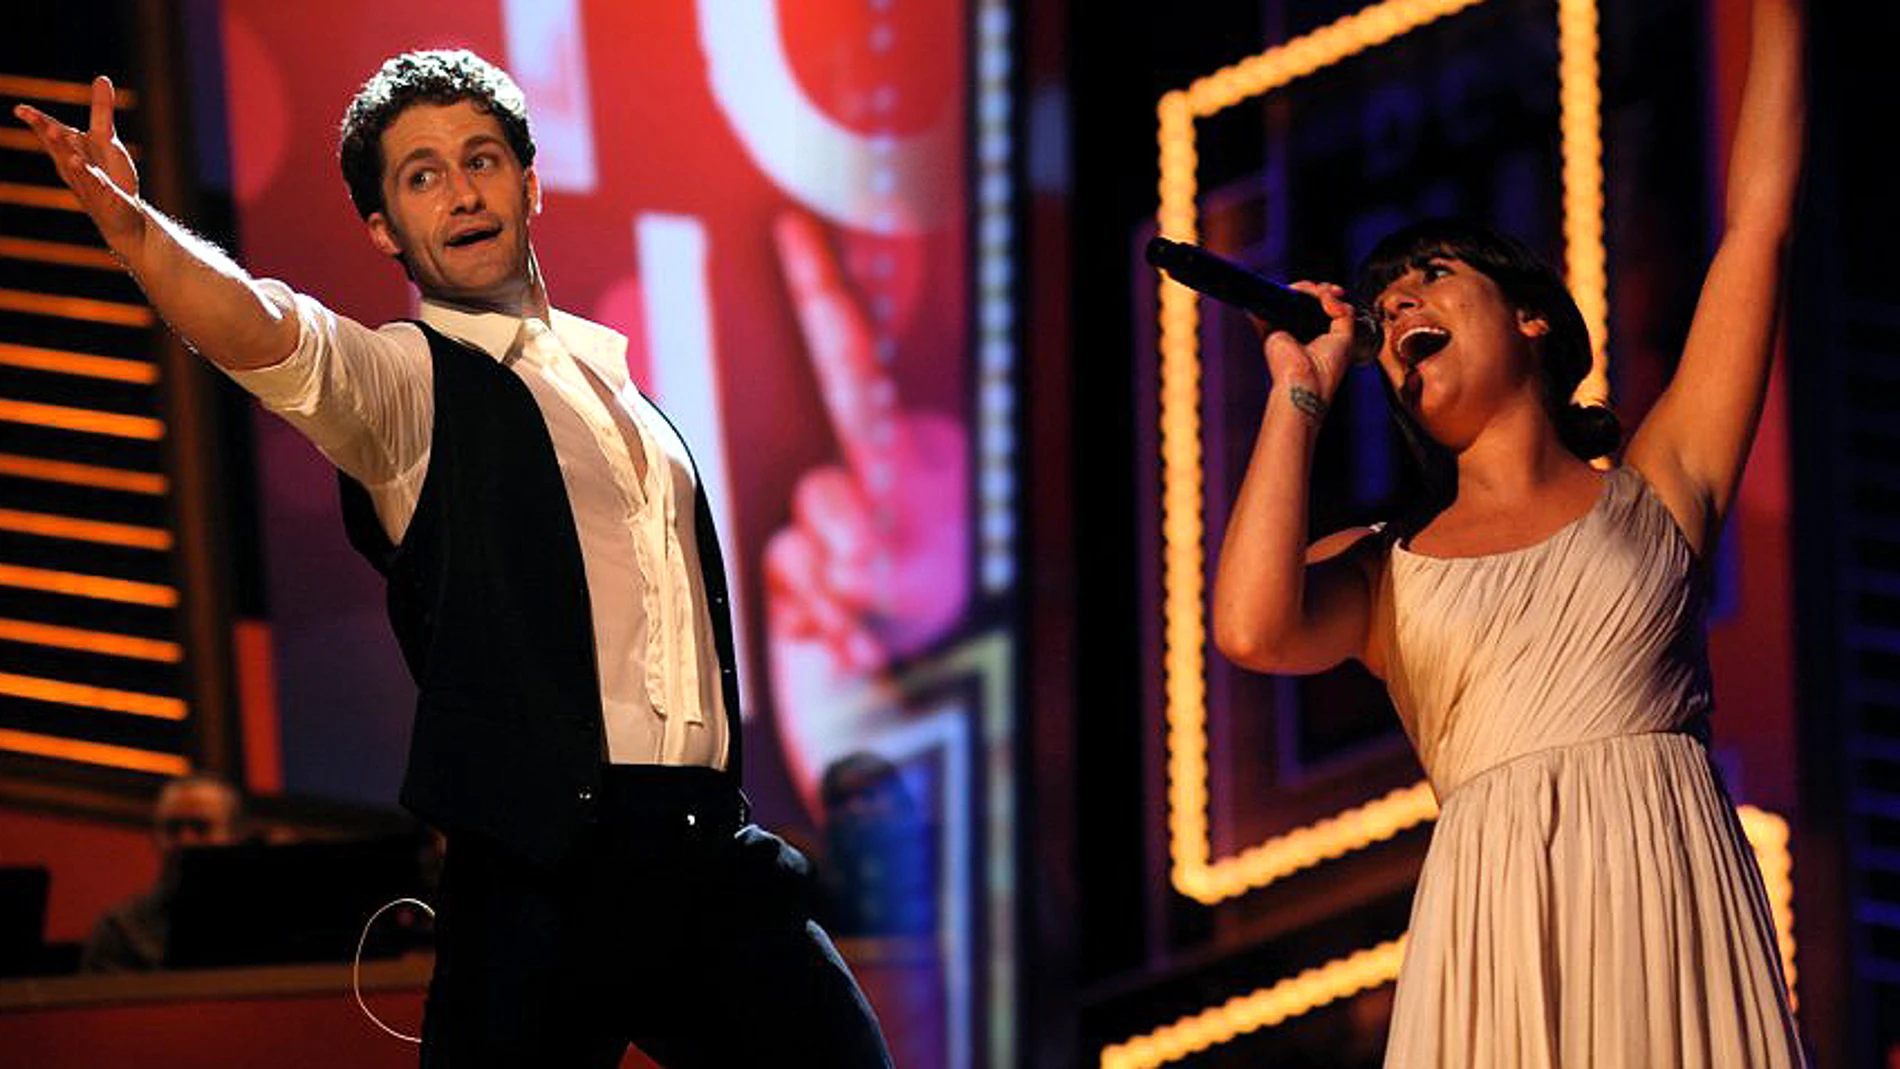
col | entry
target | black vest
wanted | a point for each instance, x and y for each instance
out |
(488, 599)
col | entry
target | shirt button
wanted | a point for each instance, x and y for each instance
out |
(585, 794)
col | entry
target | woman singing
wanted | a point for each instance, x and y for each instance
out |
(1588, 899)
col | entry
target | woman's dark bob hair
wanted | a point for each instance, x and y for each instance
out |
(1531, 286)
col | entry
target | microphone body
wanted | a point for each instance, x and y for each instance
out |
(1282, 308)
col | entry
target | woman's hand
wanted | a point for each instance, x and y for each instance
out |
(1308, 375)
(1276, 606)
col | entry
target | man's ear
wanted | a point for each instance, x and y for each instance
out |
(382, 235)
(1531, 325)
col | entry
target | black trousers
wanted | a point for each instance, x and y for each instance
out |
(673, 928)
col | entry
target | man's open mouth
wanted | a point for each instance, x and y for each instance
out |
(473, 237)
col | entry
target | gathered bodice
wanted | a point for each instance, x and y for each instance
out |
(1592, 633)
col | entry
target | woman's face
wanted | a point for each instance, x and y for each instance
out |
(1455, 349)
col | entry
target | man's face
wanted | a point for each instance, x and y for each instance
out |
(194, 814)
(456, 204)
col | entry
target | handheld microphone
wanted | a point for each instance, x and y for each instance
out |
(1282, 308)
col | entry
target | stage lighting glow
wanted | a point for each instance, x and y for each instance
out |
(72, 474)
(88, 586)
(1347, 37)
(38, 197)
(1264, 1008)
(58, 560)
(1319, 841)
(1581, 97)
(33, 633)
(44, 525)
(87, 365)
(90, 421)
(92, 753)
(1768, 834)
(995, 342)
(113, 313)
(58, 252)
(61, 692)
(59, 91)
(1184, 602)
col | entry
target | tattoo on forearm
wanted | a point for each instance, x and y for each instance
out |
(1307, 401)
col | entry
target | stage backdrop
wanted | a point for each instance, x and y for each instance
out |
(774, 203)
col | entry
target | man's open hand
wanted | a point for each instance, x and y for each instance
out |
(94, 165)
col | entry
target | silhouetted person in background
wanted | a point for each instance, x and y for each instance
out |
(881, 849)
(193, 810)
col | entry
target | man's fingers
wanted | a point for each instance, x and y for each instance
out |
(859, 396)
(86, 165)
(64, 145)
(49, 130)
(100, 126)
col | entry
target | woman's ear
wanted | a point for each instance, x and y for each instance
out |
(1532, 325)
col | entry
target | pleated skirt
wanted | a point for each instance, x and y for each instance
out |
(1590, 906)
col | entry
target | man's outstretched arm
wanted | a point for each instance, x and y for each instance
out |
(206, 297)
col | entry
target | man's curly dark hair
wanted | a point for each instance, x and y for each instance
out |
(432, 77)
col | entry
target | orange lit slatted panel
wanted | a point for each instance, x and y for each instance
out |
(91, 658)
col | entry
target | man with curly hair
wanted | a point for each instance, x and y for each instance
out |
(556, 587)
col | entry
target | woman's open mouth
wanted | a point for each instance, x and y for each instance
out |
(1420, 343)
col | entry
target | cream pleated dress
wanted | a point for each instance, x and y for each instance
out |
(1588, 900)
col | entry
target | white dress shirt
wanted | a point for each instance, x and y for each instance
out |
(366, 399)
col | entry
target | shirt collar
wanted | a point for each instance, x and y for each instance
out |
(601, 348)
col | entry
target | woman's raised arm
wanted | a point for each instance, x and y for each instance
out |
(1695, 440)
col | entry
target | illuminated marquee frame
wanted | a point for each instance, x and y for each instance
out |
(1194, 873)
